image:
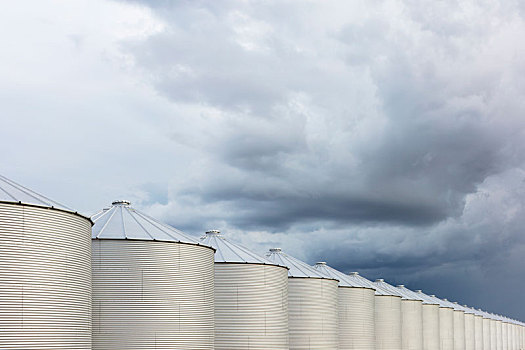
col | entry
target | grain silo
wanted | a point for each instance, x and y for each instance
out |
(504, 333)
(251, 298)
(411, 317)
(446, 323)
(493, 331)
(459, 325)
(486, 329)
(312, 304)
(152, 284)
(478, 329)
(356, 309)
(388, 316)
(470, 335)
(45, 272)
(431, 329)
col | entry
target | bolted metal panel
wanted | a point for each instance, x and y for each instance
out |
(411, 324)
(312, 313)
(431, 337)
(251, 306)
(356, 318)
(459, 330)
(446, 328)
(152, 295)
(486, 333)
(470, 336)
(388, 322)
(478, 332)
(45, 278)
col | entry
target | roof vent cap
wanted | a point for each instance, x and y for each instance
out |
(419, 291)
(354, 273)
(213, 232)
(121, 202)
(380, 280)
(400, 286)
(275, 250)
(321, 263)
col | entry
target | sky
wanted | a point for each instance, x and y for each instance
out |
(385, 137)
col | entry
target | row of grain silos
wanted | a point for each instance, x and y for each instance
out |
(131, 282)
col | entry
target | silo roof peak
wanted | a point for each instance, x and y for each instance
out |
(297, 268)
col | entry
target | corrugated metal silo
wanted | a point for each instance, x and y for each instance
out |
(493, 332)
(356, 309)
(45, 272)
(312, 304)
(431, 329)
(478, 329)
(446, 324)
(152, 284)
(504, 333)
(470, 324)
(411, 317)
(251, 298)
(499, 332)
(486, 329)
(388, 316)
(459, 325)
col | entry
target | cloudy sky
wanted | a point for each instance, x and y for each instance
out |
(380, 136)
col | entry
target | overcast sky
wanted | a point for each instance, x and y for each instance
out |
(385, 137)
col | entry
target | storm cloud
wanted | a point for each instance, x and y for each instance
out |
(379, 136)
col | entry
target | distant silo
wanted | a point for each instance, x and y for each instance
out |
(478, 329)
(356, 309)
(411, 318)
(470, 324)
(459, 325)
(45, 272)
(446, 323)
(152, 284)
(498, 330)
(312, 304)
(493, 332)
(388, 316)
(251, 298)
(504, 333)
(431, 329)
(486, 330)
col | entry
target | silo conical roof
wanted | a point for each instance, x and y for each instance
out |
(13, 192)
(296, 267)
(122, 221)
(430, 299)
(410, 294)
(389, 289)
(229, 252)
(344, 280)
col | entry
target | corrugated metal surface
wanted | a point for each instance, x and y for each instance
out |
(478, 332)
(411, 325)
(470, 336)
(152, 295)
(45, 279)
(493, 334)
(486, 333)
(446, 328)
(388, 322)
(312, 313)
(505, 335)
(499, 340)
(356, 318)
(251, 307)
(431, 339)
(459, 330)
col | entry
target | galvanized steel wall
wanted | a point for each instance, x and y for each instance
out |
(152, 295)
(499, 333)
(459, 330)
(505, 335)
(486, 334)
(388, 322)
(493, 334)
(478, 332)
(470, 336)
(411, 325)
(431, 339)
(45, 279)
(251, 307)
(356, 318)
(312, 313)
(446, 328)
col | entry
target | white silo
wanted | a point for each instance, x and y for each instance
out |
(478, 329)
(312, 304)
(152, 284)
(388, 316)
(251, 298)
(498, 326)
(470, 324)
(411, 318)
(459, 325)
(493, 332)
(356, 309)
(431, 328)
(446, 323)
(504, 333)
(486, 329)
(45, 272)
